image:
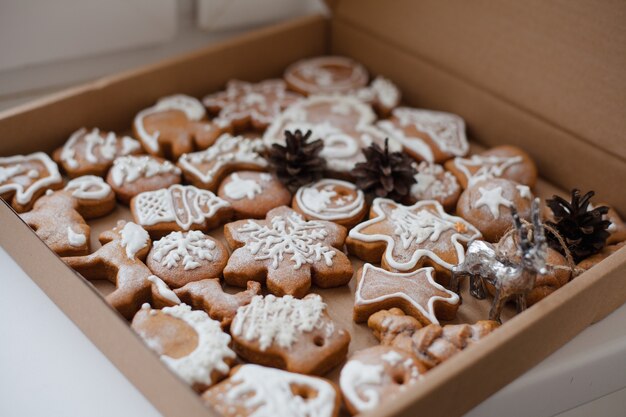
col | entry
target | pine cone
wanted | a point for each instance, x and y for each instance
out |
(584, 231)
(385, 174)
(298, 162)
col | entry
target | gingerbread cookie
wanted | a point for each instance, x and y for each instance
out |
(376, 375)
(508, 162)
(287, 253)
(617, 228)
(190, 343)
(344, 123)
(183, 257)
(416, 293)
(326, 75)
(593, 260)
(289, 333)
(252, 194)
(179, 208)
(131, 175)
(119, 260)
(174, 126)
(381, 94)
(435, 183)
(58, 217)
(331, 200)
(91, 152)
(246, 105)
(427, 135)
(206, 169)
(25, 178)
(406, 238)
(208, 295)
(432, 344)
(487, 205)
(256, 391)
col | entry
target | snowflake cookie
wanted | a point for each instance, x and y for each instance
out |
(435, 183)
(287, 252)
(188, 341)
(252, 194)
(289, 333)
(183, 257)
(405, 238)
(246, 105)
(257, 391)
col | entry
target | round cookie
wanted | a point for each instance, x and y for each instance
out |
(326, 75)
(190, 343)
(376, 375)
(252, 194)
(131, 175)
(487, 205)
(183, 257)
(509, 162)
(435, 183)
(332, 200)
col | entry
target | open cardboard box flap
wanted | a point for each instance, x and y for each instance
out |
(390, 41)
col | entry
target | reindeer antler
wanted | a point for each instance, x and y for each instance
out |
(539, 234)
(523, 237)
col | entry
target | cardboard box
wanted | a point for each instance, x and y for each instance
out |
(507, 69)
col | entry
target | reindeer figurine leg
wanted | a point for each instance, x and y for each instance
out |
(496, 307)
(521, 303)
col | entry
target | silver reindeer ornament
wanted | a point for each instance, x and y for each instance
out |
(512, 277)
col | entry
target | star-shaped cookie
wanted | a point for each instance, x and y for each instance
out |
(416, 293)
(405, 238)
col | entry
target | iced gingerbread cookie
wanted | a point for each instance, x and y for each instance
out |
(206, 169)
(344, 123)
(508, 162)
(179, 208)
(593, 260)
(435, 183)
(617, 228)
(376, 375)
(246, 105)
(120, 260)
(188, 341)
(289, 333)
(208, 295)
(487, 205)
(287, 253)
(432, 344)
(381, 94)
(175, 125)
(427, 135)
(331, 200)
(416, 293)
(406, 238)
(183, 257)
(58, 217)
(131, 175)
(91, 152)
(25, 178)
(252, 194)
(257, 391)
(326, 75)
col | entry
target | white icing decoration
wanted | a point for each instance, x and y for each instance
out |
(25, 193)
(75, 239)
(269, 392)
(226, 150)
(524, 191)
(315, 200)
(392, 357)
(406, 282)
(414, 228)
(278, 320)
(288, 235)
(493, 199)
(108, 146)
(88, 187)
(134, 239)
(128, 169)
(490, 166)
(381, 90)
(164, 290)
(190, 247)
(313, 70)
(152, 207)
(210, 353)
(356, 375)
(433, 182)
(239, 188)
(193, 109)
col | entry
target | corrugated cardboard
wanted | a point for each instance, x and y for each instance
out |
(470, 377)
